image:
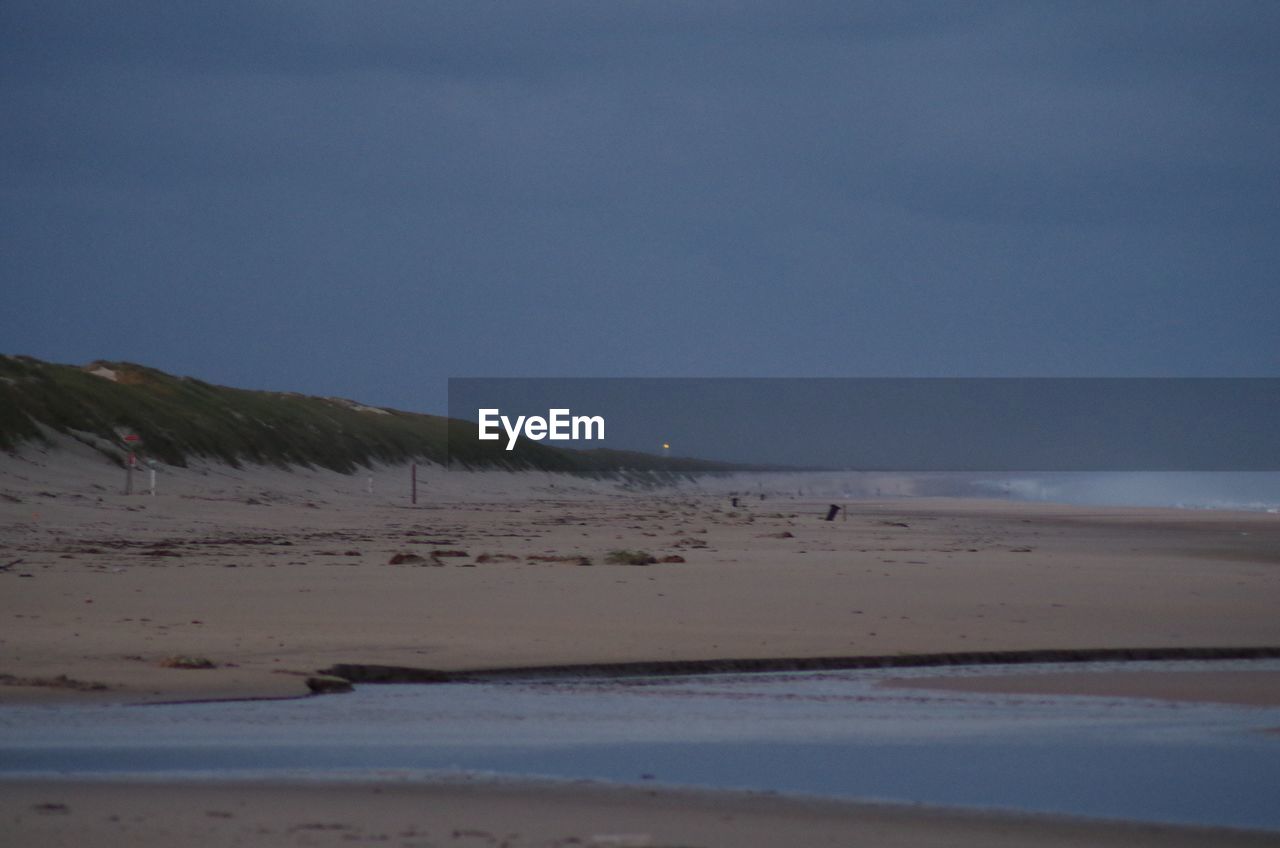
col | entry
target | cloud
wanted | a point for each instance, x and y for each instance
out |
(889, 188)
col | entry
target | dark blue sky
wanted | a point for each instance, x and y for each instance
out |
(364, 199)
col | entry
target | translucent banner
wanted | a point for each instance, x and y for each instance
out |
(873, 424)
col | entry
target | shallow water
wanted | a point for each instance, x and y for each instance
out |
(832, 734)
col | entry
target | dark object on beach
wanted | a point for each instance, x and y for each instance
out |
(572, 559)
(623, 557)
(187, 662)
(831, 512)
(59, 682)
(497, 558)
(386, 674)
(672, 558)
(328, 684)
(735, 501)
(51, 807)
(405, 559)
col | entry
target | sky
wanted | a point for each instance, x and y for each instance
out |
(366, 198)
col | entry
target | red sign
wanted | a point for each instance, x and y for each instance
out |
(132, 437)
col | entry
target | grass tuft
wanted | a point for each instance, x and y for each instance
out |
(625, 557)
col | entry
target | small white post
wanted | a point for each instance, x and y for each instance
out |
(152, 472)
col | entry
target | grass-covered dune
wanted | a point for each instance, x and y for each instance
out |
(180, 418)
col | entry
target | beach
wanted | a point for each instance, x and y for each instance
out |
(245, 583)
(640, 424)
(518, 815)
(271, 575)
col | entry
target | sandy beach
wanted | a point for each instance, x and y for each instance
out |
(270, 576)
(514, 814)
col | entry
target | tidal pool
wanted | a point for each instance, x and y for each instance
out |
(834, 734)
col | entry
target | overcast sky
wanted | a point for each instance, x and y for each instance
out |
(366, 198)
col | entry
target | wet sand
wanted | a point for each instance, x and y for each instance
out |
(1245, 688)
(524, 814)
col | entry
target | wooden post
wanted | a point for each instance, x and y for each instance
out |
(413, 483)
(831, 512)
(131, 441)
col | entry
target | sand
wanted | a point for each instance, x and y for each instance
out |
(515, 814)
(271, 575)
(1242, 687)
